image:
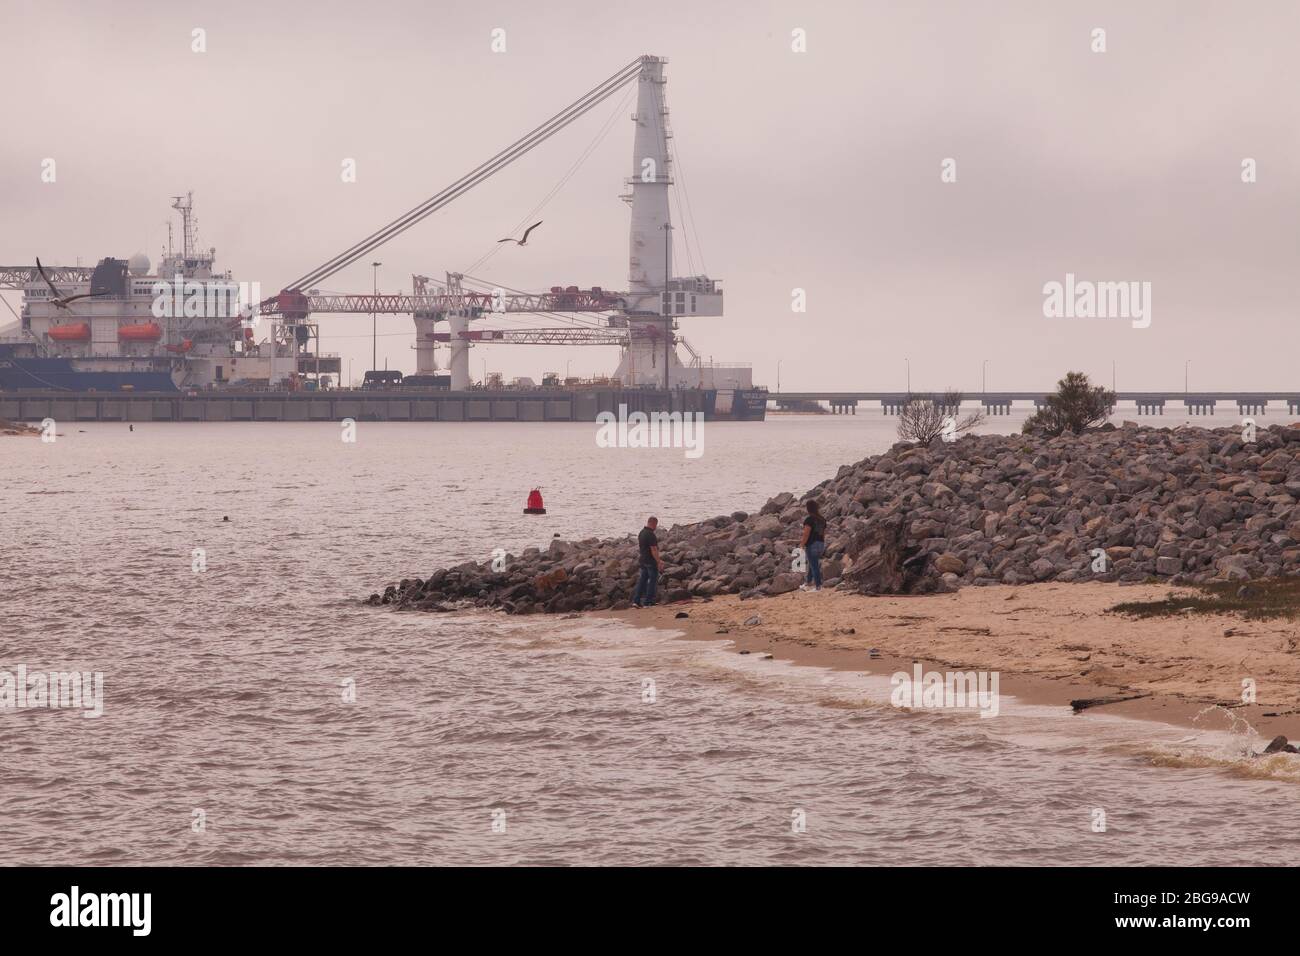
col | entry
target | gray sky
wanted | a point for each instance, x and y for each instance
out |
(816, 170)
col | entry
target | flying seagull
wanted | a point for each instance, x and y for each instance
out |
(60, 300)
(524, 240)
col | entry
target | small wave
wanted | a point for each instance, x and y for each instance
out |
(1282, 766)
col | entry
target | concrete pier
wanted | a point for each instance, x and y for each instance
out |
(386, 405)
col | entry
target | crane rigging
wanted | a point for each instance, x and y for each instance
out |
(641, 320)
(473, 178)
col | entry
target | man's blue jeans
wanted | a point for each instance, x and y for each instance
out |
(645, 585)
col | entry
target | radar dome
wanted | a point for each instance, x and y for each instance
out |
(138, 264)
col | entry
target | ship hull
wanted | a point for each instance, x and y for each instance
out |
(66, 375)
(739, 405)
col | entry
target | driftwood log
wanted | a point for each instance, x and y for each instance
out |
(883, 562)
(1083, 703)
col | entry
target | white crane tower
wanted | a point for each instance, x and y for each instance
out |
(649, 358)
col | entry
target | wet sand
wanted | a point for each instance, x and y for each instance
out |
(1050, 643)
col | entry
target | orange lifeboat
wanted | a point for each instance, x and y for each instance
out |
(145, 332)
(70, 332)
(181, 349)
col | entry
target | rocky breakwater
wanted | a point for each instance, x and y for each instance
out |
(1123, 504)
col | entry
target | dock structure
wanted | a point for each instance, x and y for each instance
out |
(401, 404)
(1000, 403)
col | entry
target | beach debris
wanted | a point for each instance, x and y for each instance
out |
(1084, 703)
(879, 554)
(680, 614)
(1279, 745)
(846, 630)
(764, 657)
(753, 620)
(742, 652)
(8, 427)
(874, 654)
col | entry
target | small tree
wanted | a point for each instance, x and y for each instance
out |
(923, 418)
(1076, 405)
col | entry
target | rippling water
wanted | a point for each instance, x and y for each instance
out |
(224, 689)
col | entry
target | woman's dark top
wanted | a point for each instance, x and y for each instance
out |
(818, 526)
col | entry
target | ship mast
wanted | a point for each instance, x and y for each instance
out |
(185, 205)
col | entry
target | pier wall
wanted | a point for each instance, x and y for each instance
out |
(399, 405)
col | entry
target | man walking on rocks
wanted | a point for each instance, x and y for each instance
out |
(650, 562)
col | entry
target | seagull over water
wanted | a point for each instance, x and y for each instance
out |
(524, 240)
(60, 300)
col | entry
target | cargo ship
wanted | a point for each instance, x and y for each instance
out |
(123, 325)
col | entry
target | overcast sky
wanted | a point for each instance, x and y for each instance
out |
(817, 170)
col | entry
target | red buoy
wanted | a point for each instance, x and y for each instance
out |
(535, 503)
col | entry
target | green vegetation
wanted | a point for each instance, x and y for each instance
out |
(1253, 600)
(1076, 405)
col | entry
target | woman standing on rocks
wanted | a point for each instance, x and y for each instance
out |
(813, 543)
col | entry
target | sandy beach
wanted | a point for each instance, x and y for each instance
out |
(1051, 644)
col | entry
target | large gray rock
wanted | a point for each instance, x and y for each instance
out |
(784, 582)
(1168, 565)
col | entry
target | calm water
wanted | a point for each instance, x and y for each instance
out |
(224, 690)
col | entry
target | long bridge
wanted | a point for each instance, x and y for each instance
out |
(999, 403)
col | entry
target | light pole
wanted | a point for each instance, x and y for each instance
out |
(778, 376)
(1112, 375)
(1185, 364)
(909, 375)
(984, 379)
(567, 362)
(374, 322)
(484, 361)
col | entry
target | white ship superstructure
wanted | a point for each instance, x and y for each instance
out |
(124, 324)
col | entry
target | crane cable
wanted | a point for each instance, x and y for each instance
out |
(591, 148)
(661, 98)
(474, 177)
